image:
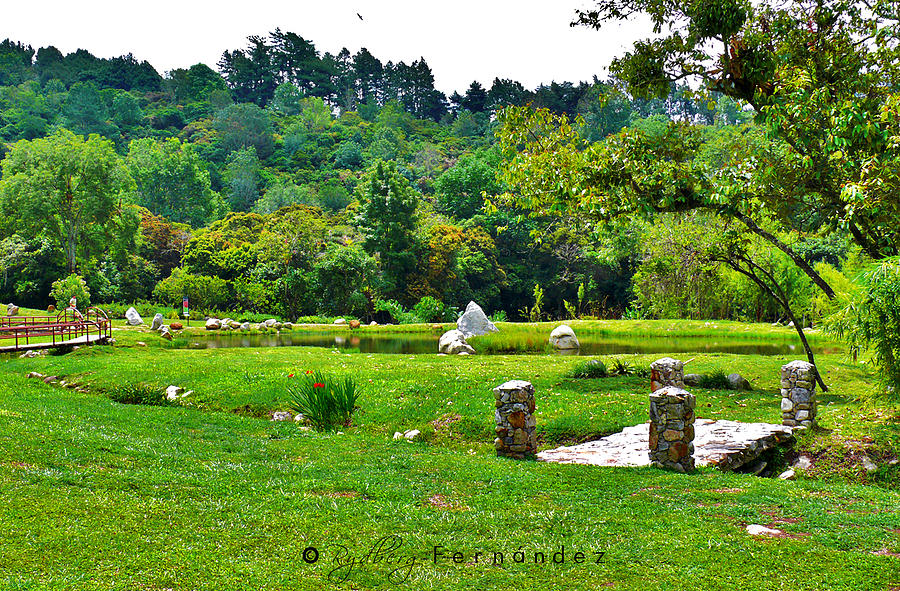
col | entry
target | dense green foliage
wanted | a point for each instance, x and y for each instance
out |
(260, 183)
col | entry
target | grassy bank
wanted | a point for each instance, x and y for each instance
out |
(213, 495)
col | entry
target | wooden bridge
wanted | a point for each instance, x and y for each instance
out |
(68, 328)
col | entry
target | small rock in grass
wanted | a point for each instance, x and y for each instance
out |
(140, 344)
(282, 416)
(803, 463)
(868, 464)
(299, 418)
(166, 334)
(51, 379)
(761, 530)
(35, 374)
(174, 392)
(412, 434)
(787, 475)
(737, 382)
(693, 379)
(398, 435)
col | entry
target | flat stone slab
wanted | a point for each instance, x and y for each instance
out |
(725, 444)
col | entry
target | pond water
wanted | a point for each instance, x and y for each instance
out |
(496, 344)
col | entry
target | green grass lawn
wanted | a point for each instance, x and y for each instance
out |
(213, 495)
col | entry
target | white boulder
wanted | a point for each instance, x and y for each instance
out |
(157, 322)
(474, 322)
(213, 324)
(12, 309)
(174, 392)
(563, 337)
(340, 321)
(132, 317)
(453, 342)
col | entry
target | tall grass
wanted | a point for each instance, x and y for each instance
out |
(327, 402)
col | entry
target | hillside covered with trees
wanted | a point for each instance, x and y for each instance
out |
(298, 183)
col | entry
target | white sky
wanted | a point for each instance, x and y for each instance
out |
(526, 40)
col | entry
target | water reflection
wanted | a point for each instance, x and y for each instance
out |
(415, 344)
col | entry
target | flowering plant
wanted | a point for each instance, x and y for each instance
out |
(327, 402)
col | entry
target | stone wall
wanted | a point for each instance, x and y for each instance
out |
(666, 372)
(514, 416)
(798, 394)
(672, 429)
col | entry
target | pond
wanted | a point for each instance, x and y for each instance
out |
(498, 344)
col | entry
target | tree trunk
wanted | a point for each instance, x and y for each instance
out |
(782, 299)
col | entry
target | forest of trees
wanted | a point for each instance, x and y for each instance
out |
(297, 183)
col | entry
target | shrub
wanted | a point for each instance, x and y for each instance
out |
(325, 402)
(590, 369)
(72, 286)
(396, 311)
(715, 380)
(620, 368)
(430, 309)
(499, 316)
(145, 394)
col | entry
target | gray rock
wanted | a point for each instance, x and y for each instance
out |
(413, 435)
(474, 322)
(281, 415)
(157, 322)
(245, 327)
(132, 317)
(692, 379)
(288, 326)
(12, 310)
(398, 435)
(164, 333)
(787, 475)
(453, 342)
(270, 323)
(738, 382)
(563, 337)
(213, 324)
(340, 321)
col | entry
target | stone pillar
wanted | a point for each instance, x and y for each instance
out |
(672, 429)
(798, 394)
(666, 372)
(514, 416)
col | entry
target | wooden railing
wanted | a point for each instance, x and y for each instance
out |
(68, 325)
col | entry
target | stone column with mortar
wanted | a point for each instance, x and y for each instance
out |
(666, 372)
(514, 416)
(798, 394)
(672, 429)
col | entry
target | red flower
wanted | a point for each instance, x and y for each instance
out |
(318, 385)
(290, 375)
(308, 371)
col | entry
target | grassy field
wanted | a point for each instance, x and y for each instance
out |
(213, 495)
